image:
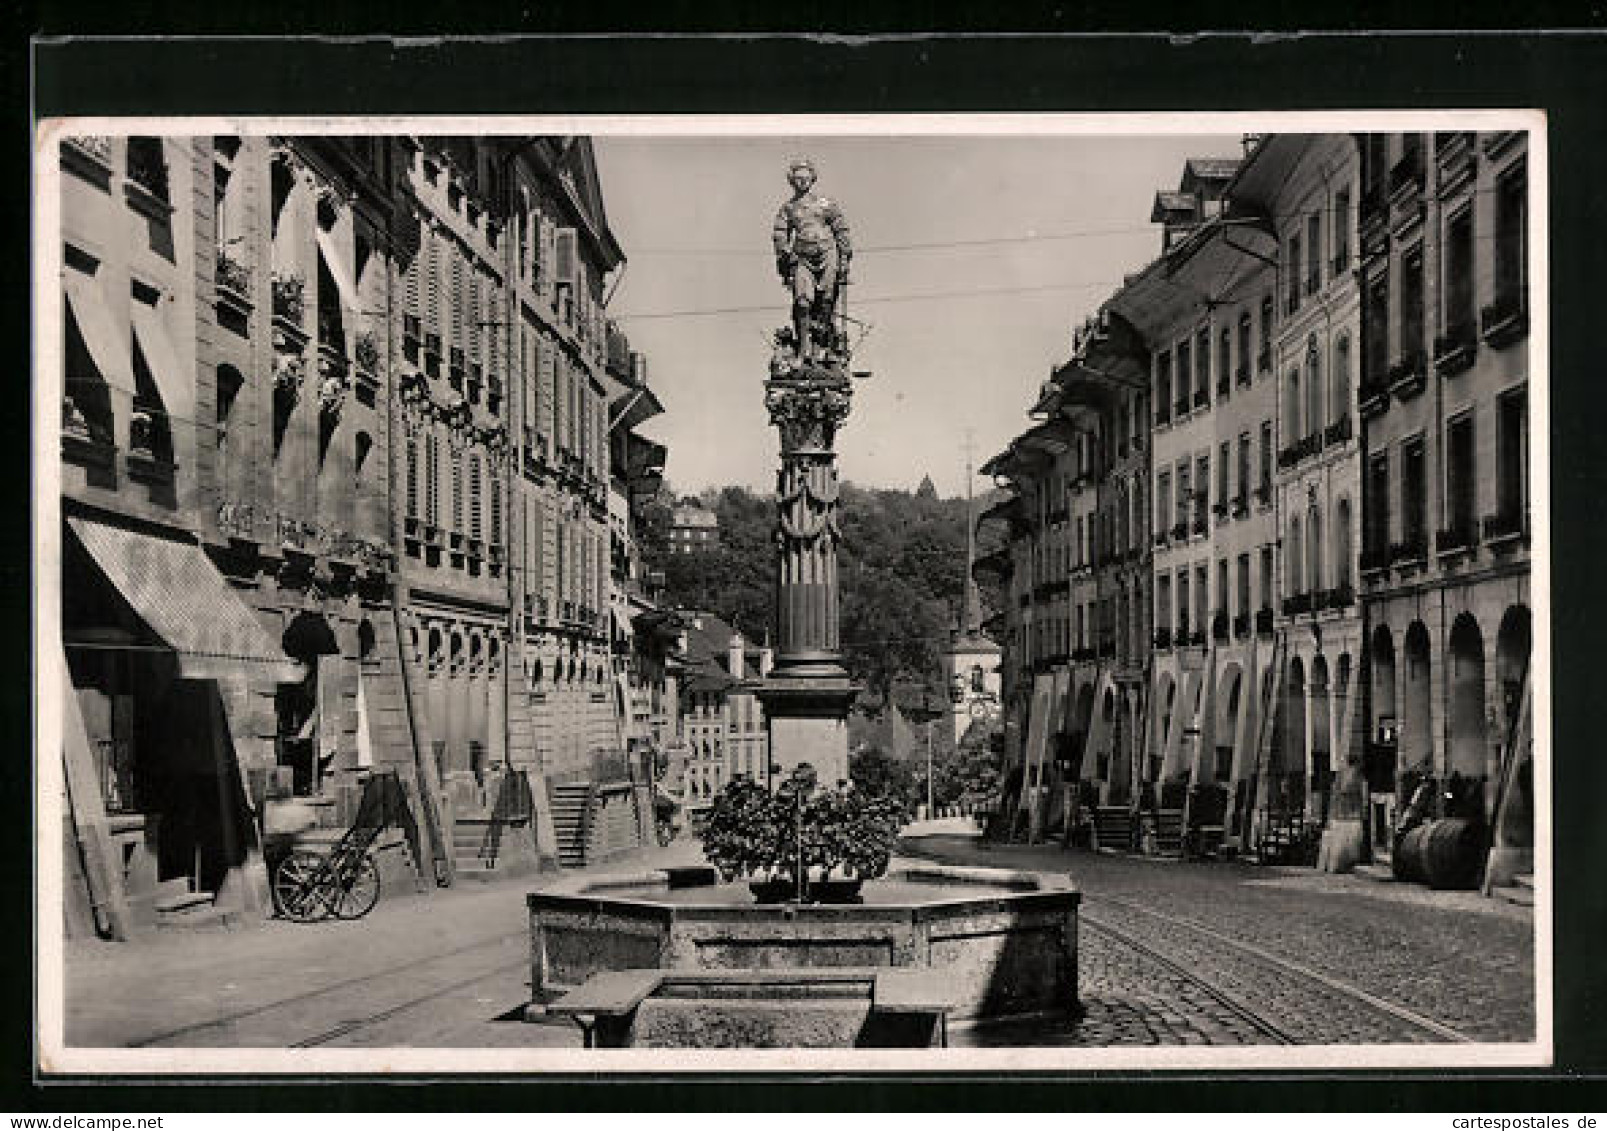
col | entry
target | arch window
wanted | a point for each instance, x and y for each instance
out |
(1314, 555)
(1313, 387)
(1296, 563)
(1339, 399)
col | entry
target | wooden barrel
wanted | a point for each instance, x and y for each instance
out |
(1444, 854)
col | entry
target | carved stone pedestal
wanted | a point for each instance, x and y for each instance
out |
(807, 696)
(808, 722)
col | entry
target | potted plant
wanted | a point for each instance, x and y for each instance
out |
(802, 842)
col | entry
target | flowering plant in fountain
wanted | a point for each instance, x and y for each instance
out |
(801, 841)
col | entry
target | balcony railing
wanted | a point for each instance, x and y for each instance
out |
(1456, 538)
(289, 297)
(1302, 449)
(1506, 319)
(1296, 605)
(1505, 525)
(147, 169)
(1408, 376)
(1374, 559)
(1412, 550)
(1407, 171)
(1372, 397)
(1454, 349)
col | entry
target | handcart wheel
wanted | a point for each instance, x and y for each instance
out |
(301, 887)
(358, 898)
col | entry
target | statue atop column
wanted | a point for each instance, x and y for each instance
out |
(813, 250)
(807, 694)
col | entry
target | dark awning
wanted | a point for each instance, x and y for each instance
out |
(183, 598)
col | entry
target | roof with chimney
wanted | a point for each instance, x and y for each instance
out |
(707, 654)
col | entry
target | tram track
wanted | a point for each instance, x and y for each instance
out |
(1228, 1001)
(1329, 986)
(356, 986)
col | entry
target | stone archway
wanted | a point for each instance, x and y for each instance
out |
(1512, 646)
(1291, 771)
(1469, 751)
(1165, 701)
(1321, 742)
(1121, 752)
(1229, 754)
(1416, 735)
(1384, 719)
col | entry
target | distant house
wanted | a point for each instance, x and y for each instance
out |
(720, 724)
(694, 529)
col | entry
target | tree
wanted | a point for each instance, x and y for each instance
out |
(877, 775)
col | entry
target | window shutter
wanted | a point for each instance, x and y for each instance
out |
(457, 491)
(474, 496)
(565, 255)
(412, 478)
(457, 298)
(432, 283)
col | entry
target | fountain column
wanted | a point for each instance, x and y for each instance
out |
(808, 693)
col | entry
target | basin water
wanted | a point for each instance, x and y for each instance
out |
(1006, 941)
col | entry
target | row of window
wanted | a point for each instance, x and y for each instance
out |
(1190, 614)
(1460, 317)
(1184, 512)
(1304, 263)
(1397, 484)
(1193, 356)
(1109, 625)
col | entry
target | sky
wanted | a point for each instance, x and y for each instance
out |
(1056, 222)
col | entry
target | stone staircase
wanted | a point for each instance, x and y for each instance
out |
(179, 908)
(1113, 827)
(1520, 891)
(1168, 830)
(569, 822)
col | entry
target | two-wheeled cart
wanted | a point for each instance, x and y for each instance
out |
(341, 880)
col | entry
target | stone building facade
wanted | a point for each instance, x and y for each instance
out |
(1333, 339)
(322, 410)
(1444, 231)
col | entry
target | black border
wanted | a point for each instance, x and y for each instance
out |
(1564, 74)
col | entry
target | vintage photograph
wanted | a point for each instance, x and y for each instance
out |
(918, 593)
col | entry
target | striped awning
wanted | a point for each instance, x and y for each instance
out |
(183, 598)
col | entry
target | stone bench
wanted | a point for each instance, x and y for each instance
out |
(846, 1007)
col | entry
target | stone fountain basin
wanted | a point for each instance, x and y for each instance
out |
(1007, 939)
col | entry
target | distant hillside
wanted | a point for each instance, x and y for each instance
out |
(901, 564)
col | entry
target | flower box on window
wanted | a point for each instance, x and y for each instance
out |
(1408, 376)
(1506, 320)
(1505, 526)
(289, 297)
(1454, 350)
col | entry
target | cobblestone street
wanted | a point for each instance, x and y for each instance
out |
(1285, 951)
(1170, 954)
